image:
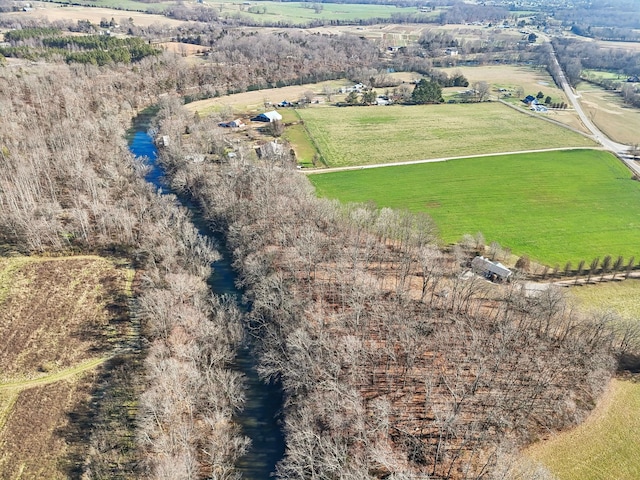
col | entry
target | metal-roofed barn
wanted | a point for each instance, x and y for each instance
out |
(489, 269)
(271, 116)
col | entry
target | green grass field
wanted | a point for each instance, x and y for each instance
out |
(605, 447)
(298, 13)
(355, 135)
(555, 206)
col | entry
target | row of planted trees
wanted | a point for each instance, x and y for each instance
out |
(393, 365)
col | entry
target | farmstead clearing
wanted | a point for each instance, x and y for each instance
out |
(61, 319)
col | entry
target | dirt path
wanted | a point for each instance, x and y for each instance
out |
(55, 377)
(315, 171)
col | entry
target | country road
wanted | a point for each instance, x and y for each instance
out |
(597, 134)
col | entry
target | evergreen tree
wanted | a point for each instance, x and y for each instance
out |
(427, 92)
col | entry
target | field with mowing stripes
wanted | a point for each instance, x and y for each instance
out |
(369, 135)
(555, 207)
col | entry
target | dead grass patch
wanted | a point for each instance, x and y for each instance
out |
(253, 101)
(60, 318)
(619, 122)
(56, 314)
(35, 440)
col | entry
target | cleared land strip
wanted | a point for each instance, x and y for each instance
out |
(443, 159)
(55, 377)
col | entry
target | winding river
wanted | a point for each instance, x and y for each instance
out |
(260, 417)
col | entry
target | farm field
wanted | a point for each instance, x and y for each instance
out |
(301, 13)
(253, 102)
(511, 77)
(619, 297)
(61, 318)
(55, 11)
(605, 446)
(353, 135)
(269, 12)
(555, 206)
(618, 121)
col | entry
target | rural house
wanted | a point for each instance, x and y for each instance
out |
(491, 270)
(269, 117)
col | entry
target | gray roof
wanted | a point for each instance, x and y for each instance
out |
(486, 265)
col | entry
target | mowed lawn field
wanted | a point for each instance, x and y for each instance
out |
(369, 135)
(553, 206)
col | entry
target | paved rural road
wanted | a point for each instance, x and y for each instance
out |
(620, 149)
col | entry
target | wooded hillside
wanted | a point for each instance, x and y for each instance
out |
(392, 362)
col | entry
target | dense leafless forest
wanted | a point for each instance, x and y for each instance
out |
(69, 184)
(393, 364)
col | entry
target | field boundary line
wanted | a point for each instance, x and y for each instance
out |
(318, 171)
(547, 119)
(313, 140)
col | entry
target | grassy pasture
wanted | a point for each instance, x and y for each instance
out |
(291, 12)
(354, 135)
(300, 13)
(620, 297)
(60, 319)
(556, 206)
(511, 77)
(100, 10)
(606, 109)
(605, 446)
(298, 136)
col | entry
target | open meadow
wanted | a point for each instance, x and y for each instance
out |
(554, 206)
(263, 12)
(606, 109)
(61, 318)
(354, 135)
(619, 297)
(511, 78)
(605, 446)
(250, 103)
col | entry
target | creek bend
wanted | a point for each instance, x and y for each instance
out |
(260, 417)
